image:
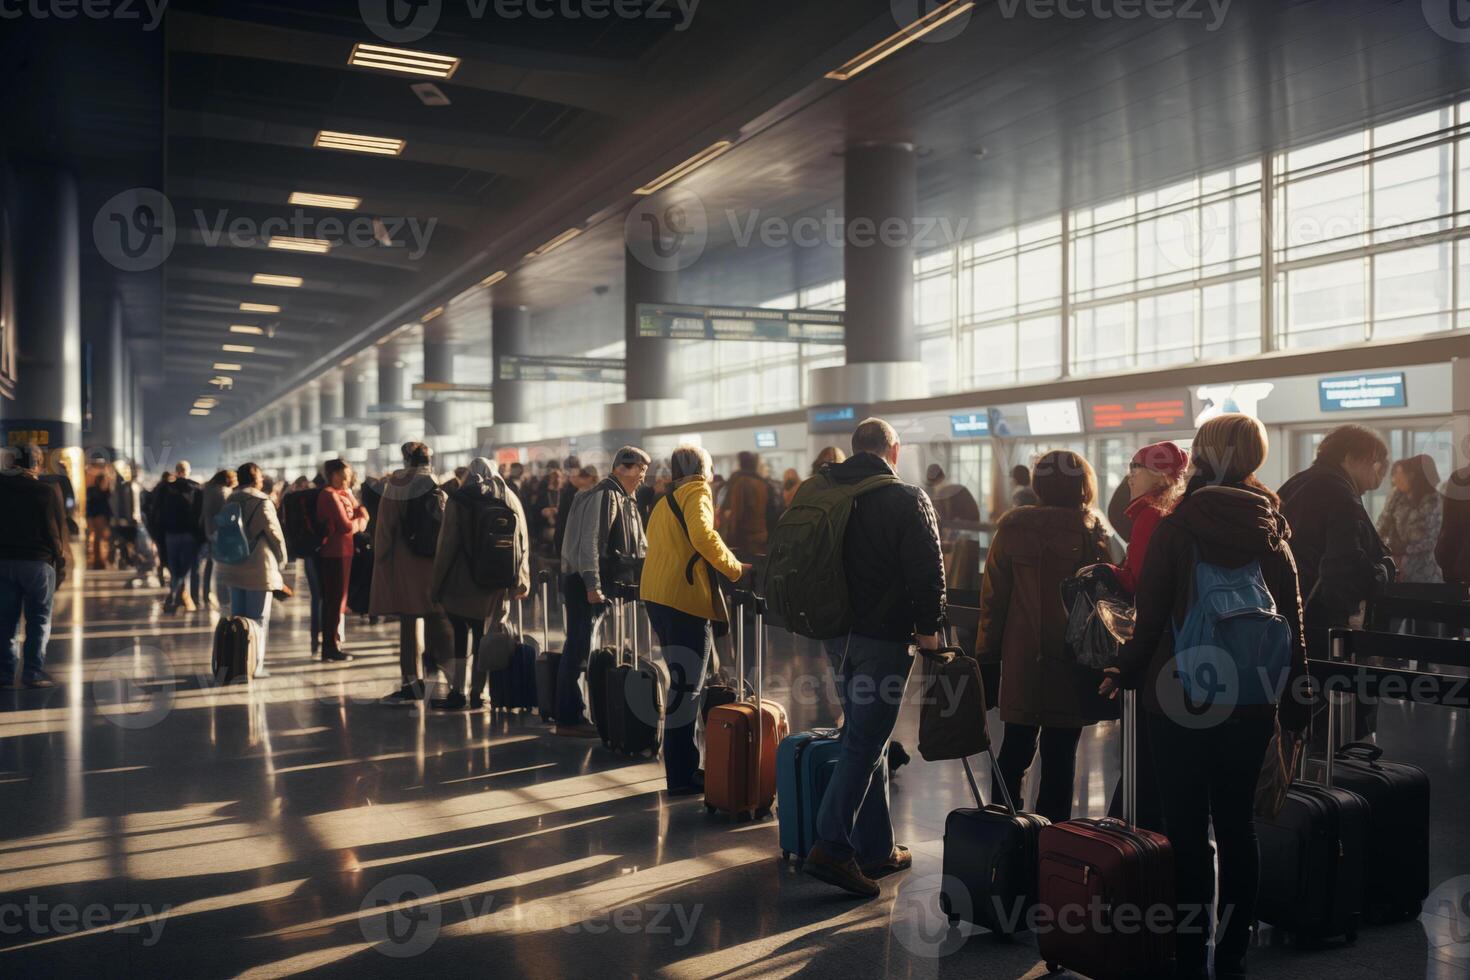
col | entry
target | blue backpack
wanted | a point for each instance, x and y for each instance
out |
(231, 545)
(1234, 647)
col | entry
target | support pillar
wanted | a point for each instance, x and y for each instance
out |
(510, 333)
(651, 394)
(438, 366)
(354, 404)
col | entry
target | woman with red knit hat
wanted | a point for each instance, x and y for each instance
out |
(1156, 480)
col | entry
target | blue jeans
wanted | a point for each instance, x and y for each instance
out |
(686, 642)
(870, 678)
(582, 619)
(183, 565)
(26, 587)
(256, 607)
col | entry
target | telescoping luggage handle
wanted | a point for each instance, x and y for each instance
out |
(544, 577)
(742, 598)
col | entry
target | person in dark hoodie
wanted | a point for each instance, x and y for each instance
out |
(1044, 696)
(1207, 773)
(1339, 553)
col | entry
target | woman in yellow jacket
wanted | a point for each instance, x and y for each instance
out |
(685, 553)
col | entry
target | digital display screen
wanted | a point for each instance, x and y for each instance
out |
(765, 439)
(1147, 412)
(847, 414)
(1054, 418)
(1360, 391)
(973, 425)
(674, 321)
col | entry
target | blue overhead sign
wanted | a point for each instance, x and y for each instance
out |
(971, 426)
(765, 439)
(1362, 391)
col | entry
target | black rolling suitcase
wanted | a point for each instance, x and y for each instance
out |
(548, 661)
(1396, 869)
(600, 663)
(990, 859)
(1313, 856)
(635, 695)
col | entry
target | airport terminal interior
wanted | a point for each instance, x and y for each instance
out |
(528, 233)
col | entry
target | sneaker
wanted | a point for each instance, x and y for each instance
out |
(337, 657)
(577, 731)
(262, 672)
(898, 756)
(477, 702)
(37, 679)
(188, 603)
(900, 860)
(409, 694)
(844, 874)
(455, 701)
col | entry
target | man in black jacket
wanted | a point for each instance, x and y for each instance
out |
(179, 504)
(895, 581)
(33, 559)
(1339, 554)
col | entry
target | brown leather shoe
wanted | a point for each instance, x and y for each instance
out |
(844, 874)
(899, 860)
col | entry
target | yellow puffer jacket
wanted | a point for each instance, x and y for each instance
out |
(669, 551)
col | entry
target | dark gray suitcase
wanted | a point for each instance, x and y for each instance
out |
(635, 697)
(1396, 860)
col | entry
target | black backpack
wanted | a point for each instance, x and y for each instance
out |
(421, 522)
(493, 550)
(177, 512)
(305, 534)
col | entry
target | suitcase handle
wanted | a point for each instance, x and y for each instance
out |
(1366, 751)
(997, 783)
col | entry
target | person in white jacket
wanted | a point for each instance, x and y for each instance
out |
(251, 582)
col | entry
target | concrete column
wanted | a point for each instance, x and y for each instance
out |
(47, 406)
(107, 437)
(311, 428)
(880, 197)
(354, 404)
(329, 406)
(438, 366)
(510, 332)
(392, 390)
(651, 393)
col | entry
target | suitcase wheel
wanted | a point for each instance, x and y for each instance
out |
(762, 813)
(709, 808)
(1053, 968)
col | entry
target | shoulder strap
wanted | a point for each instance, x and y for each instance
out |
(679, 516)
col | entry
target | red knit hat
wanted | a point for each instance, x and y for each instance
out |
(1163, 457)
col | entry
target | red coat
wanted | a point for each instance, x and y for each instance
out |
(1146, 517)
(343, 517)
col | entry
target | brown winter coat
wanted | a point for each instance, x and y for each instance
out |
(401, 579)
(1023, 622)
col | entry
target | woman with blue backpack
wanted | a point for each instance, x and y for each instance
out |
(249, 552)
(1217, 647)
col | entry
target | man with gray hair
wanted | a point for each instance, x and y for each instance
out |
(895, 583)
(604, 543)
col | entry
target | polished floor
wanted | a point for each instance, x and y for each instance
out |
(156, 826)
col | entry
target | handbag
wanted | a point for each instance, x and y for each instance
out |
(1278, 770)
(1100, 619)
(496, 647)
(951, 706)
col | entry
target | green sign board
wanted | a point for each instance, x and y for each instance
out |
(673, 321)
(525, 367)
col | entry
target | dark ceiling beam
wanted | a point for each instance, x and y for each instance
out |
(601, 85)
(255, 186)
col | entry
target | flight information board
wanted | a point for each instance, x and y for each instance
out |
(673, 321)
(525, 367)
(1140, 413)
(1360, 391)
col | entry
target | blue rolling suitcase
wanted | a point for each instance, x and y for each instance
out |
(804, 766)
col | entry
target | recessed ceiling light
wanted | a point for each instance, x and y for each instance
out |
(432, 314)
(556, 242)
(267, 279)
(493, 278)
(688, 166)
(259, 308)
(287, 244)
(940, 15)
(198, 411)
(308, 200)
(238, 348)
(247, 328)
(402, 60)
(357, 143)
(206, 402)
(429, 93)
(227, 366)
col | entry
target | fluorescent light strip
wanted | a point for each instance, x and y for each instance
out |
(310, 200)
(432, 314)
(198, 411)
(259, 308)
(688, 166)
(890, 45)
(403, 60)
(227, 366)
(238, 348)
(288, 244)
(268, 279)
(358, 143)
(493, 278)
(556, 242)
(247, 328)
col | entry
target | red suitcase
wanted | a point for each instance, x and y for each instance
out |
(1100, 882)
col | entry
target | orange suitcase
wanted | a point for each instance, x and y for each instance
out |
(741, 738)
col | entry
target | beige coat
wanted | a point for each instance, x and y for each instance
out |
(401, 579)
(261, 572)
(454, 587)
